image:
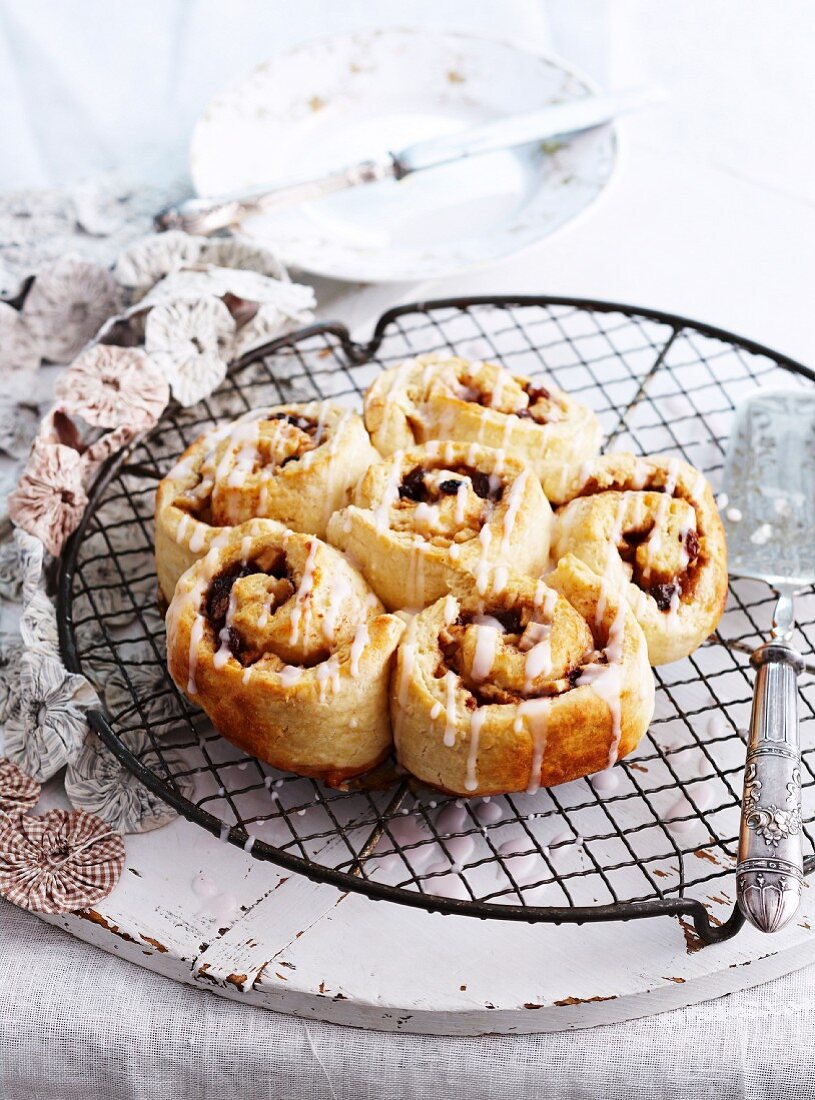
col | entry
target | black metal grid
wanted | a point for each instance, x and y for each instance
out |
(662, 842)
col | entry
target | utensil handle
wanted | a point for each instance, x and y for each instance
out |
(207, 215)
(770, 867)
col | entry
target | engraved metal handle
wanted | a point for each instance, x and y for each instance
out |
(770, 867)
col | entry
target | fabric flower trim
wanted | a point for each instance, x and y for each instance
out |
(110, 387)
(50, 499)
(141, 265)
(187, 340)
(11, 663)
(18, 792)
(48, 728)
(98, 782)
(59, 862)
(67, 305)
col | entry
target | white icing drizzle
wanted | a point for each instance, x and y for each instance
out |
(501, 379)
(461, 502)
(454, 551)
(607, 780)
(489, 620)
(436, 710)
(538, 660)
(450, 709)
(340, 591)
(698, 490)
(407, 653)
(482, 570)
(183, 524)
(514, 498)
(450, 610)
(536, 714)
(303, 592)
(289, 675)
(509, 424)
(500, 579)
(198, 538)
(246, 676)
(328, 675)
(427, 515)
(361, 639)
(606, 679)
(223, 653)
(246, 456)
(640, 475)
(390, 494)
(415, 578)
(486, 640)
(614, 538)
(477, 719)
(654, 540)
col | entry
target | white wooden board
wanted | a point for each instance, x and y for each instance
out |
(284, 943)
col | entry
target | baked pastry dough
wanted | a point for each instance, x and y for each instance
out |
(443, 397)
(651, 528)
(287, 650)
(292, 463)
(542, 684)
(427, 514)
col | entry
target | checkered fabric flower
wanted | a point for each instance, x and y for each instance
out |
(18, 792)
(59, 862)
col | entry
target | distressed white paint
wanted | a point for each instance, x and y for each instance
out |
(311, 951)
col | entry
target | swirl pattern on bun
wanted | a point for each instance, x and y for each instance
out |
(444, 397)
(545, 683)
(424, 516)
(291, 463)
(651, 528)
(287, 650)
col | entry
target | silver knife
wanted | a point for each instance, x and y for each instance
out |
(206, 215)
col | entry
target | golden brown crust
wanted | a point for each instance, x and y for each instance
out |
(292, 463)
(426, 515)
(444, 397)
(287, 650)
(650, 526)
(565, 691)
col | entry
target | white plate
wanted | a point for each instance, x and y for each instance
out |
(336, 101)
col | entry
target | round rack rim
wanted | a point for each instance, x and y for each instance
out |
(359, 353)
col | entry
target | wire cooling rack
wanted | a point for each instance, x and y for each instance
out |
(659, 838)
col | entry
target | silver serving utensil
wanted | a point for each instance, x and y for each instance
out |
(206, 215)
(769, 480)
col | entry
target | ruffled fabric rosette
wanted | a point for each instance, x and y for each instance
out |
(166, 321)
(99, 783)
(48, 727)
(194, 305)
(60, 862)
(19, 793)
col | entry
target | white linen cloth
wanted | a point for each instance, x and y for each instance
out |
(79, 1024)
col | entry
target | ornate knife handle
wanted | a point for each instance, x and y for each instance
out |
(770, 867)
